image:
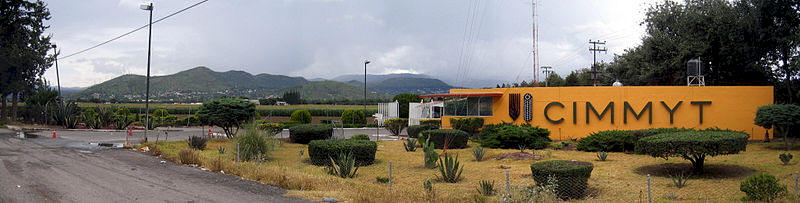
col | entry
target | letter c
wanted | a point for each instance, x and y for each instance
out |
(547, 108)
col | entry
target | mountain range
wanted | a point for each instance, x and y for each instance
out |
(201, 83)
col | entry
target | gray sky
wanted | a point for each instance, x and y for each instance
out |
(459, 41)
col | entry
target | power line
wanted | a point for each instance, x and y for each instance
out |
(132, 31)
(594, 51)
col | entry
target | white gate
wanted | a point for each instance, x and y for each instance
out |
(387, 111)
(419, 111)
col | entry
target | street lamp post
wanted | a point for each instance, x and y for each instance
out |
(365, 91)
(148, 7)
(58, 78)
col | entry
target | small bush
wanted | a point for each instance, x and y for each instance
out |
(467, 124)
(679, 180)
(510, 136)
(449, 168)
(360, 137)
(353, 116)
(395, 125)
(288, 124)
(410, 145)
(271, 128)
(197, 142)
(571, 177)
(478, 153)
(255, 145)
(414, 130)
(786, 158)
(602, 156)
(221, 150)
(455, 139)
(215, 164)
(301, 116)
(382, 179)
(693, 145)
(430, 154)
(189, 156)
(306, 133)
(343, 166)
(431, 122)
(486, 188)
(763, 187)
(363, 151)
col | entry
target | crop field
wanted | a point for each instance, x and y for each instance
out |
(621, 178)
(265, 110)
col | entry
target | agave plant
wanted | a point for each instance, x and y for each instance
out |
(410, 145)
(602, 156)
(785, 158)
(66, 114)
(449, 168)
(430, 154)
(343, 166)
(486, 188)
(121, 122)
(478, 152)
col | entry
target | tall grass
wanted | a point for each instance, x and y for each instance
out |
(255, 144)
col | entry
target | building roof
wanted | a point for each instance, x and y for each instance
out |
(482, 94)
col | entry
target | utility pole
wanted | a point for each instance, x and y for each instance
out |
(547, 70)
(535, 53)
(594, 51)
(148, 7)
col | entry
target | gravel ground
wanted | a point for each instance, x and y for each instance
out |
(59, 170)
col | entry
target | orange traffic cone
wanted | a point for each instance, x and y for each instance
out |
(209, 132)
(54, 133)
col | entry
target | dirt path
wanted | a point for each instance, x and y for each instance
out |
(41, 170)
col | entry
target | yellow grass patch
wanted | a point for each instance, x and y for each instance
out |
(621, 178)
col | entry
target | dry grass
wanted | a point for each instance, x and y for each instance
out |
(188, 156)
(621, 178)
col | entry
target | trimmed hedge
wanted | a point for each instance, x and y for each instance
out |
(395, 125)
(458, 138)
(510, 136)
(304, 134)
(414, 130)
(301, 116)
(467, 124)
(360, 137)
(618, 140)
(693, 145)
(571, 177)
(433, 122)
(319, 151)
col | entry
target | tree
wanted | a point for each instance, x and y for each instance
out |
(292, 97)
(227, 113)
(554, 80)
(23, 49)
(403, 100)
(783, 117)
(693, 145)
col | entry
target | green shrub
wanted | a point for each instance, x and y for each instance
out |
(363, 151)
(763, 187)
(449, 168)
(255, 144)
(571, 177)
(786, 158)
(271, 128)
(301, 116)
(289, 124)
(618, 140)
(326, 121)
(306, 133)
(679, 180)
(414, 130)
(693, 145)
(602, 156)
(380, 179)
(467, 124)
(353, 116)
(395, 125)
(343, 166)
(478, 153)
(783, 117)
(360, 137)
(456, 139)
(510, 136)
(431, 122)
(227, 113)
(197, 142)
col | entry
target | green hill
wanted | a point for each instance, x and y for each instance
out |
(332, 90)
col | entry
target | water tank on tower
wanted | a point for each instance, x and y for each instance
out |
(694, 70)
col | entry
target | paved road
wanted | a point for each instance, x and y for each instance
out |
(45, 170)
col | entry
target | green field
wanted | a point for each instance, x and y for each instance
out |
(264, 110)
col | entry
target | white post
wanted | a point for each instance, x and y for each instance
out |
(508, 183)
(390, 176)
(300, 161)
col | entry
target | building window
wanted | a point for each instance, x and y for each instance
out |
(468, 106)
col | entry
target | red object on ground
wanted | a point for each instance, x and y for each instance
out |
(54, 133)
(130, 132)
(209, 132)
